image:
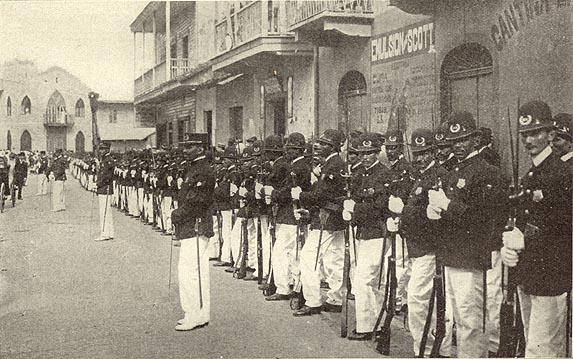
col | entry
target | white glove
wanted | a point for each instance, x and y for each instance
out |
(295, 192)
(313, 178)
(395, 204)
(346, 215)
(392, 224)
(258, 190)
(509, 257)
(179, 182)
(299, 213)
(169, 180)
(438, 199)
(243, 192)
(433, 213)
(233, 189)
(51, 177)
(349, 205)
(514, 239)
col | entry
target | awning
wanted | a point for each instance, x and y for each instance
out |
(125, 133)
(229, 79)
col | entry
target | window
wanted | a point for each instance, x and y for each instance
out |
(182, 128)
(8, 107)
(56, 109)
(80, 108)
(26, 106)
(169, 133)
(113, 116)
(185, 47)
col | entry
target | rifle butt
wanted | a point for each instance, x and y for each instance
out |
(383, 341)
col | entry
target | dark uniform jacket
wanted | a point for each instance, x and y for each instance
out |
(402, 179)
(195, 200)
(299, 175)
(222, 195)
(371, 209)
(105, 176)
(59, 168)
(20, 172)
(421, 233)
(490, 156)
(248, 206)
(324, 198)
(471, 227)
(544, 216)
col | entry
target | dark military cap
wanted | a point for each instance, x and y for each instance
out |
(252, 139)
(199, 139)
(563, 123)
(274, 143)
(332, 137)
(247, 154)
(354, 143)
(295, 140)
(308, 149)
(440, 138)
(535, 115)
(422, 139)
(394, 137)
(257, 147)
(461, 125)
(230, 152)
(369, 142)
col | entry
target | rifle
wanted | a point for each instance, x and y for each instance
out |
(346, 268)
(511, 338)
(440, 293)
(220, 233)
(383, 341)
(197, 222)
(260, 263)
(270, 287)
(297, 301)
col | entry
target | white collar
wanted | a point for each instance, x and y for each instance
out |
(356, 165)
(372, 165)
(449, 158)
(297, 159)
(429, 166)
(198, 158)
(472, 154)
(484, 147)
(567, 156)
(541, 156)
(330, 156)
(395, 161)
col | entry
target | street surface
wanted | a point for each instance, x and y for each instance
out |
(63, 295)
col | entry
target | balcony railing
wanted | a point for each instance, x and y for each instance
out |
(255, 19)
(179, 67)
(301, 10)
(58, 120)
(150, 79)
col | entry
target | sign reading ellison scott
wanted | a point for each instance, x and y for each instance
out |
(404, 42)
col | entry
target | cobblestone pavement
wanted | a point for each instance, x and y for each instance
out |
(63, 295)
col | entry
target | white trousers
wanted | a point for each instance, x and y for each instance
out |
(494, 299)
(166, 208)
(544, 321)
(213, 247)
(266, 245)
(283, 256)
(226, 229)
(58, 196)
(149, 208)
(332, 256)
(368, 298)
(132, 201)
(419, 291)
(42, 184)
(140, 200)
(105, 216)
(465, 289)
(237, 243)
(194, 293)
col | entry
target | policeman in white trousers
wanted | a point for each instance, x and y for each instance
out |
(105, 192)
(58, 178)
(194, 227)
(42, 176)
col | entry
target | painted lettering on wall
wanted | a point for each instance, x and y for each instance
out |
(519, 14)
(404, 42)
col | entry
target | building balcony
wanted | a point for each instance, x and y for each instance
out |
(59, 120)
(250, 21)
(151, 79)
(416, 7)
(314, 17)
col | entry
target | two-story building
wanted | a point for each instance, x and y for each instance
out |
(241, 68)
(43, 110)
(117, 126)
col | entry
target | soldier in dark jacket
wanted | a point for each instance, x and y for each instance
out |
(42, 174)
(104, 192)
(422, 235)
(20, 173)
(539, 246)
(469, 210)
(57, 174)
(286, 231)
(193, 227)
(326, 220)
(562, 142)
(368, 209)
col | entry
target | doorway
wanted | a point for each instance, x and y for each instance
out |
(236, 122)
(208, 121)
(279, 116)
(352, 103)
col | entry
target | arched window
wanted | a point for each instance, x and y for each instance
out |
(80, 108)
(9, 140)
(352, 102)
(80, 142)
(466, 83)
(56, 109)
(26, 106)
(26, 141)
(8, 107)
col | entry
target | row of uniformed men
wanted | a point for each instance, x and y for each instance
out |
(451, 207)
